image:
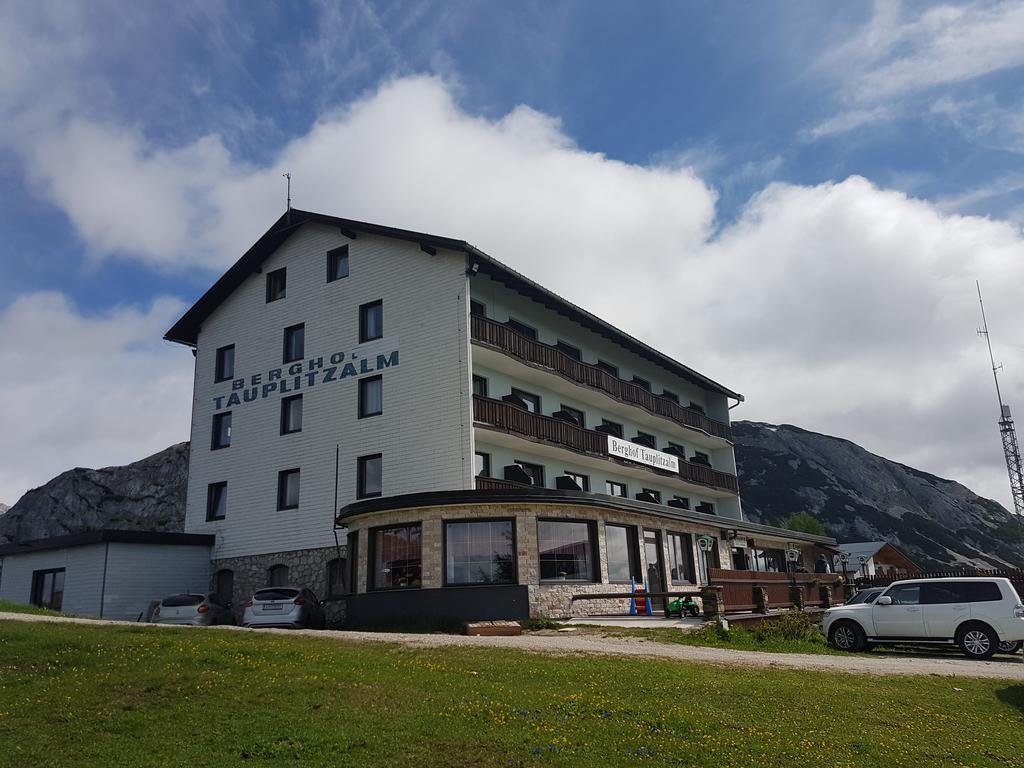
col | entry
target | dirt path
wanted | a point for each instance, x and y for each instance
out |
(1007, 667)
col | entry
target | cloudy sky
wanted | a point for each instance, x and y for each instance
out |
(805, 192)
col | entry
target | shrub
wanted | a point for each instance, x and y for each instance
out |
(789, 626)
(532, 625)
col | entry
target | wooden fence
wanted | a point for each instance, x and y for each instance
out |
(1015, 575)
(738, 587)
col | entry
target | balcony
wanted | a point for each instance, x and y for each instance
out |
(534, 426)
(502, 338)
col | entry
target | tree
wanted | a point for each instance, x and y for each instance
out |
(806, 523)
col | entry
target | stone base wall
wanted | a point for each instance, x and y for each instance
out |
(554, 601)
(306, 568)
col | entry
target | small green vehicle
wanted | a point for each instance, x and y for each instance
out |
(681, 606)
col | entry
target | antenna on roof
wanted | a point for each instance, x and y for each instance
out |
(288, 176)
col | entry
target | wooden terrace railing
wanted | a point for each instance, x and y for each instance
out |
(501, 337)
(535, 426)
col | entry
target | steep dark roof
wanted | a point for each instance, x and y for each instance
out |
(186, 330)
(107, 535)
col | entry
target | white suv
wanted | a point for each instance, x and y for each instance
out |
(980, 615)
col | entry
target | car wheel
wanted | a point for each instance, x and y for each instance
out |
(847, 636)
(977, 641)
(1010, 647)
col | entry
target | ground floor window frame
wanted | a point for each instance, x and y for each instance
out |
(594, 563)
(48, 588)
(373, 579)
(446, 549)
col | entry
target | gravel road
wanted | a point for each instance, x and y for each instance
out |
(570, 643)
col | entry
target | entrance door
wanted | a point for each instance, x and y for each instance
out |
(655, 576)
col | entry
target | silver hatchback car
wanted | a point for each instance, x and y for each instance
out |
(192, 609)
(288, 607)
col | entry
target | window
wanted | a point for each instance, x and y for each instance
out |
(371, 321)
(696, 407)
(581, 480)
(740, 561)
(623, 553)
(221, 430)
(480, 386)
(225, 363)
(532, 401)
(677, 448)
(277, 576)
(680, 558)
(480, 552)
(535, 471)
(569, 349)
(611, 427)
(48, 588)
(642, 383)
(645, 438)
(276, 284)
(291, 414)
(337, 574)
(701, 458)
(683, 501)
(482, 464)
(945, 592)
(294, 343)
(287, 490)
(768, 560)
(578, 415)
(522, 328)
(566, 550)
(615, 489)
(370, 470)
(706, 507)
(371, 396)
(670, 396)
(396, 557)
(337, 263)
(608, 367)
(477, 308)
(908, 595)
(216, 501)
(655, 494)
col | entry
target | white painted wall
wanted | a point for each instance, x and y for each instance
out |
(424, 433)
(140, 573)
(83, 578)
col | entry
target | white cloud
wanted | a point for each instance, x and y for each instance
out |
(87, 390)
(840, 307)
(897, 56)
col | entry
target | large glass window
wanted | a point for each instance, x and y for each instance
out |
(370, 470)
(48, 588)
(371, 396)
(371, 321)
(768, 560)
(221, 430)
(680, 558)
(566, 550)
(294, 343)
(225, 363)
(622, 553)
(397, 562)
(480, 552)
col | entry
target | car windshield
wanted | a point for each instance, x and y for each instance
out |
(178, 601)
(276, 594)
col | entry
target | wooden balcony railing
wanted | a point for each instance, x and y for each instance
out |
(511, 418)
(499, 336)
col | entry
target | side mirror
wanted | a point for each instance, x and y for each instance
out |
(884, 600)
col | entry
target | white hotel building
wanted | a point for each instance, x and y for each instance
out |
(418, 432)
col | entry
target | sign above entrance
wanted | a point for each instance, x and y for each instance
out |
(642, 454)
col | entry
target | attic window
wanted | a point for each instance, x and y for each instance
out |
(337, 263)
(276, 284)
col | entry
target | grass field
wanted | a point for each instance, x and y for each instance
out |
(6, 606)
(74, 695)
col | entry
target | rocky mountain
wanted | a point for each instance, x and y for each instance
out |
(146, 495)
(859, 496)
